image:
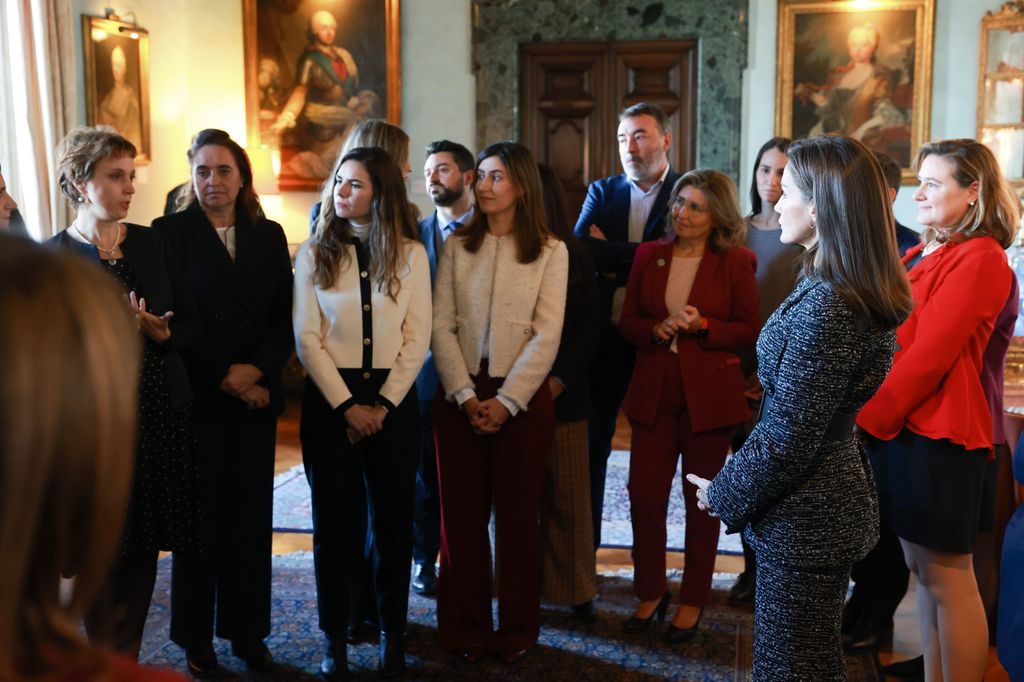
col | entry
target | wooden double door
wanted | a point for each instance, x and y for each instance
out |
(572, 93)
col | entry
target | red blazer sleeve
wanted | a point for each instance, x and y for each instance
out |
(741, 328)
(963, 304)
(637, 322)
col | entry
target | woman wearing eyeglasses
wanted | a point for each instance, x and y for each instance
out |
(691, 306)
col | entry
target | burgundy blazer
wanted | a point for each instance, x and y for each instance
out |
(725, 293)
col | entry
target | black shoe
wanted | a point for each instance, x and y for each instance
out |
(424, 582)
(742, 591)
(585, 613)
(202, 661)
(868, 635)
(676, 635)
(852, 614)
(334, 665)
(391, 656)
(912, 668)
(635, 624)
(255, 654)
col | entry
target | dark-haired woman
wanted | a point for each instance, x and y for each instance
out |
(800, 488)
(690, 309)
(568, 564)
(776, 276)
(362, 331)
(498, 311)
(236, 266)
(930, 423)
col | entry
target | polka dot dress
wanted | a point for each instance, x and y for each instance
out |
(163, 510)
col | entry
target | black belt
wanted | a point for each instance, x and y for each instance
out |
(840, 428)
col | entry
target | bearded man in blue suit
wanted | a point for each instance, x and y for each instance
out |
(619, 213)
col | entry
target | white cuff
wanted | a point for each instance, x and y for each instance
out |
(464, 394)
(509, 405)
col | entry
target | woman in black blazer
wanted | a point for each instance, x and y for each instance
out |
(97, 172)
(236, 266)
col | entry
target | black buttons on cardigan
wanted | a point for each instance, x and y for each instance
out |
(366, 375)
(363, 274)
(366, 342)
(366, 307)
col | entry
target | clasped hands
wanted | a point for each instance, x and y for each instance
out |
(363, 421)
(485, 416)
(240, 381)
(686, 320)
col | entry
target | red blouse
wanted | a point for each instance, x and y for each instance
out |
(934, 388)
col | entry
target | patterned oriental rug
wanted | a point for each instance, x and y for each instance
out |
(293, 513)
(720, 652)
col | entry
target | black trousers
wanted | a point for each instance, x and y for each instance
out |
(230, 580)
(612, 370)
(379, 470)
(117, 617)
(427, 520)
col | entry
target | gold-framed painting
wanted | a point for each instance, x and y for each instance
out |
(117, 79)
(314, 69)
(861, 68)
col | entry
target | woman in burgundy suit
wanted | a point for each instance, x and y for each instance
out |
(691, 305)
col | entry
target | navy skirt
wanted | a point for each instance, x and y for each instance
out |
(931, 492)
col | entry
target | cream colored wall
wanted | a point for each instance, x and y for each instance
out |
(197, 80)
(954, 83)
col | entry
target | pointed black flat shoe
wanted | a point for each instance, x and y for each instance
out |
(634, 624)
(391, 656)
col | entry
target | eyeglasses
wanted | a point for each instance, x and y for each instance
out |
(679, 203)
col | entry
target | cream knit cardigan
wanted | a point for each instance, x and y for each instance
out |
(489, 305)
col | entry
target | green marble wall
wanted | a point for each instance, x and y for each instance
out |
(500, 26)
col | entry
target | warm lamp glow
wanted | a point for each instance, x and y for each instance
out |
(98, 35)
(263, 176)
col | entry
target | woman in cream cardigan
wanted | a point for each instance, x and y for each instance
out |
(362, 330)
(499, 301)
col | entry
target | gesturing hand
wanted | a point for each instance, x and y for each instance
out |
(702, 493)
(255, 397)
(155, 327)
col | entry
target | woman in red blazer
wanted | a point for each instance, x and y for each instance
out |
(691, 304)
(929, 426)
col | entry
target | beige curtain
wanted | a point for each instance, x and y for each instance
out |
(40, 103)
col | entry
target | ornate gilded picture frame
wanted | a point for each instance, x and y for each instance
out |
(857, 68)
(117, 79)
(1001, 88)
(313, 69)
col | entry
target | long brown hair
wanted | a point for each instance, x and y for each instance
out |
(373, 132)
(728, 227)
(67, 432)
(780, 144)
(997, 211)
(856, 249)
(247, 203)
(392, 222)
(531, 221)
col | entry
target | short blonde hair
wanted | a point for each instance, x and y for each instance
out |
(80, 151)
(67, 432)
(997, 211)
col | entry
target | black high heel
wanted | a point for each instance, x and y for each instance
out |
(676, 635)
(634, 624)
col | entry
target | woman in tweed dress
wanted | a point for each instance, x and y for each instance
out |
(800, 488)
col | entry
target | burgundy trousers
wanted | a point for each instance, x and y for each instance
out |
(475, 471)
(654, 453)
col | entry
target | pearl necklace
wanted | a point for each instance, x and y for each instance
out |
(113, 247)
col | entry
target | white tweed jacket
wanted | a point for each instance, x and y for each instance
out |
(489, 305)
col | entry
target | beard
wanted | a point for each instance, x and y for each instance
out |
(446, 196)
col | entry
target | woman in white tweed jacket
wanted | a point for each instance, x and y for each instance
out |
(499, 301)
